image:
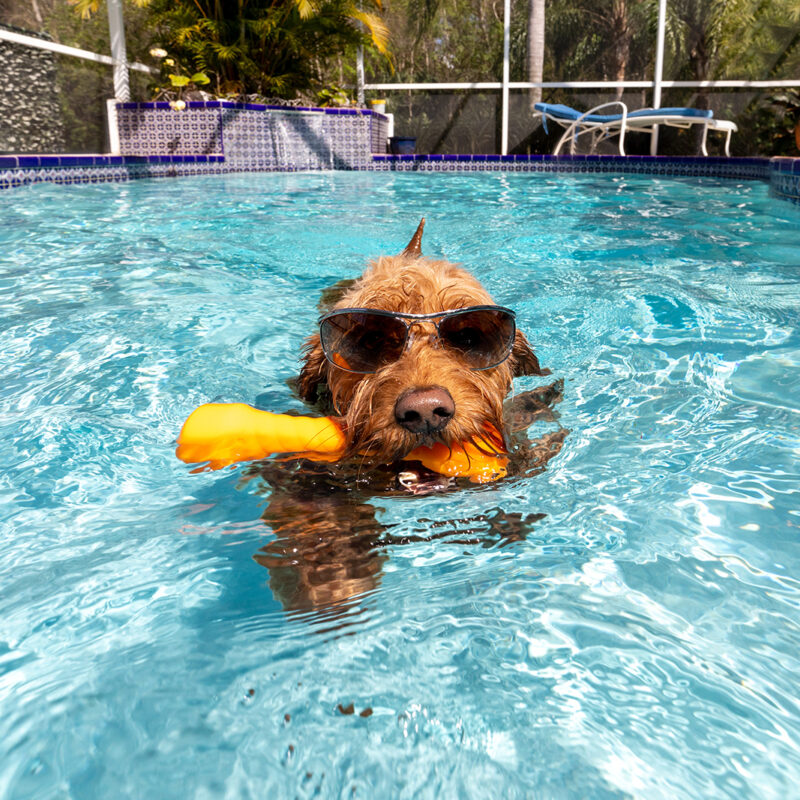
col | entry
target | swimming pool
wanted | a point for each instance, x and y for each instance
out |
(635, 635)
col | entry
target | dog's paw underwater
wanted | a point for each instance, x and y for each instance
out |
(415, 360)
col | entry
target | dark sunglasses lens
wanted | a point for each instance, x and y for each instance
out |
(362, 342)
(484, 337)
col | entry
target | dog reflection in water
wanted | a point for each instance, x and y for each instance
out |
(413, 352)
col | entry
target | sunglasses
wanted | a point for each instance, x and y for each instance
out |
(363, 340)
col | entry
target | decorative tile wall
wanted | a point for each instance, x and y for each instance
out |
(784, 179)
(253, 135)
(379, 132)
(151, 129)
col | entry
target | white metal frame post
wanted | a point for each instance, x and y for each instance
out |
(116, 29)
(360, 76)
(659, 71)
(506, 74)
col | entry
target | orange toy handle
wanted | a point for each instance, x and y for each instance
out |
(224, 433)
(464, 460)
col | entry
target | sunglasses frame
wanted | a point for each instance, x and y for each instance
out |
(402, 317)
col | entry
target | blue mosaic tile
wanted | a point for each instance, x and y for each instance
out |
(643, 165)
(76, 161)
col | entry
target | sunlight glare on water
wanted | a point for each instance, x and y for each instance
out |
(624, 624)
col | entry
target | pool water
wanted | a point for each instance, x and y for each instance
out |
(624, 624)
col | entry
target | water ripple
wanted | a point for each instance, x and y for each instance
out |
(621, 625)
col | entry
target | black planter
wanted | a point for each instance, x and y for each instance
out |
(402, 145)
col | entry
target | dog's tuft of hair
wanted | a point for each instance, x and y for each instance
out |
(413, 284)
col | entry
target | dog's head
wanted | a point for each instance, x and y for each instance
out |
(429, 392)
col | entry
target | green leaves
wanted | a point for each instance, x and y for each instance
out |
(333, 96)
(178, 80)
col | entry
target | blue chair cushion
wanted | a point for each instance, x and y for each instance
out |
(702, 113)
(565, 112)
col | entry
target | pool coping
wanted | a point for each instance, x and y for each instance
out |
(782, 173)
(166, 106)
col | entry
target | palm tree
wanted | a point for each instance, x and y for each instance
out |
(535, 48)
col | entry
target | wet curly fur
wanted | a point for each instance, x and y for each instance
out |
(365, 404)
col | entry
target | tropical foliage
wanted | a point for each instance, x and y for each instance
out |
(275, 48)
(267, 47)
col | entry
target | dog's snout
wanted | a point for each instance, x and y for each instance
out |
(425, 410)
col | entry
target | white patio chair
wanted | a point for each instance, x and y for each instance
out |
(603, 126)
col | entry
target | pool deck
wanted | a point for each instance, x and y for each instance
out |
(782, 173)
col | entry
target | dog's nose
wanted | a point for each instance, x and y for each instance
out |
(425, 410)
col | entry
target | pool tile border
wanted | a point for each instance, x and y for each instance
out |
(785, 178)
(692, 166)
(783, 173)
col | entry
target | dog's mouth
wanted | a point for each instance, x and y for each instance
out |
(428, 439)
(394, 444)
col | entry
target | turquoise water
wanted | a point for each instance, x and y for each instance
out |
(635, 635)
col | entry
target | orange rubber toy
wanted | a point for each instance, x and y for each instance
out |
(219, 434)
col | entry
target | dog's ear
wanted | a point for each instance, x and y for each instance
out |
(414, 247)
(313, 371)
(523, 359)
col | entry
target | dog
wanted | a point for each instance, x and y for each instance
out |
(413, 352)
(429, 392)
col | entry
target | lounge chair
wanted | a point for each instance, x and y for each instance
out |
(603, 126)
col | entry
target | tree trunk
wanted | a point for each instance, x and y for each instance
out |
(622, 41)
(38, 14)
(535, 47)
(700, 60)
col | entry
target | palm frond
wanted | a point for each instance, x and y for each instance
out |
(378, 32)
(85, 8)
(305, 8)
